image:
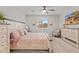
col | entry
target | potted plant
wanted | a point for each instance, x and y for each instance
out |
(2, 17)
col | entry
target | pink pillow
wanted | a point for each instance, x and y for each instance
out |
(14, 36)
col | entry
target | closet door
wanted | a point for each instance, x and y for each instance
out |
(4, 39)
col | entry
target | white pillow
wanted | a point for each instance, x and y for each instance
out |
(26, 28)
(22, 32)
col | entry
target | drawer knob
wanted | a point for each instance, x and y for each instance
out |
(2, 45)
(3, 36)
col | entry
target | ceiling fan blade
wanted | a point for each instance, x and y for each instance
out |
(51, 10)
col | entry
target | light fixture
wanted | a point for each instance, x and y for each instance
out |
(44, 12)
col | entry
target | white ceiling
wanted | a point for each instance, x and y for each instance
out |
(37, 10)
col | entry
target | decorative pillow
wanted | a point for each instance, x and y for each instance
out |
(14, 36)
(21, 32)
(26, 28)
(25, 32)
(57, 33)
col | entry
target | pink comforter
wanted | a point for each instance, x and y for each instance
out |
(33, 41)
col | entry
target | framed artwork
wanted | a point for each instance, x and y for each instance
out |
(72, 18)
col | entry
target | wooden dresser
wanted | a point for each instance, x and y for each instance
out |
(4, 39)
(71, 36)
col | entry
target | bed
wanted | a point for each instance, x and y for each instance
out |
(30, 41)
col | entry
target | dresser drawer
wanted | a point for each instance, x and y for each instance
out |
(3, 30)
(3, 26)
(3, 36)
(3, 45)
(5, 42)
(4, 49)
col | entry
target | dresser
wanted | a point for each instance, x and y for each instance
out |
(4, 39)
(61, 46)
(71, 36)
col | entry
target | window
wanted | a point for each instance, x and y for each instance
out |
(43, 23)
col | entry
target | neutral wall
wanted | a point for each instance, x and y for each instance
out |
(12, 13)
(32, 19)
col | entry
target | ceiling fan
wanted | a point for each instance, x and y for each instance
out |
(45, 10)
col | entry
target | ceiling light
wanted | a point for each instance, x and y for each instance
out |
(44, 11)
